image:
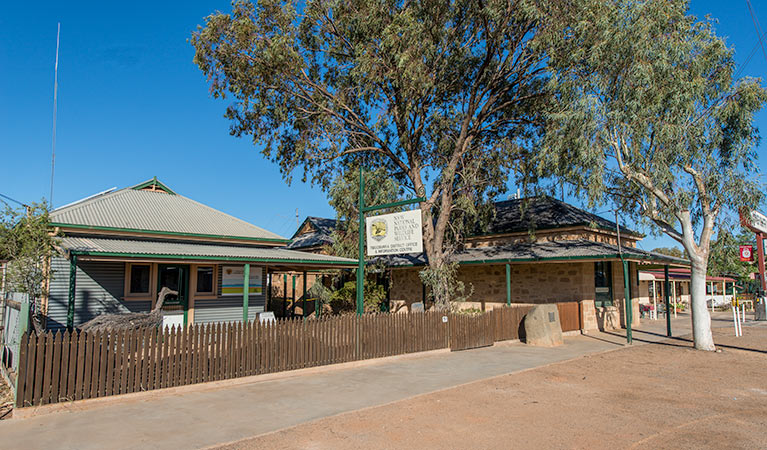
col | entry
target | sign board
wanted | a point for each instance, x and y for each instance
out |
(755, 221)
(266, 317)
(417, 307)
(746, 253)
(390, 234)
(232, 278)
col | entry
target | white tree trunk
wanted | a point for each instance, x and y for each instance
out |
(701, 319)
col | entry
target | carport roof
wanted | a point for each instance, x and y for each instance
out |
(150, 249)
(571, 250)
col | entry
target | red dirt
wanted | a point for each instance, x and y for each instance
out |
(651, 396)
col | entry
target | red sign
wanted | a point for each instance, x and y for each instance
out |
(746, 253)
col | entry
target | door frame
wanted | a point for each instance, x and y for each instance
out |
(183, 282)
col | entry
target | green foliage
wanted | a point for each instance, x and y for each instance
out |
(445, 97)
(344, 198)
(724, 259)
(26, 241)
(446, 290)
(470, 311)
(676, 252)
(650, 116)
(344, 300)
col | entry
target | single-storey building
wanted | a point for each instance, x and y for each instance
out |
(541, 250)
(719, 290)
(121, 247)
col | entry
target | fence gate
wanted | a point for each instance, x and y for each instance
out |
(15, 320)
(467, 331)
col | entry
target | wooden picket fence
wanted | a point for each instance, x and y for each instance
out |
(508, 322)
(468, 331)
(56, 367)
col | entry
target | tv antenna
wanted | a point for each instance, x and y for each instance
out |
(55, 97)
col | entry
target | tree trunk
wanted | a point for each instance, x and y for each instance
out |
(701, 320)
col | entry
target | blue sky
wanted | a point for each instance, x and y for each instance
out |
(132, 105)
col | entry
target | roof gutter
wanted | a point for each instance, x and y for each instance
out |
(350, 263)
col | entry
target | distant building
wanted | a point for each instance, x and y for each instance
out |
(313, 235)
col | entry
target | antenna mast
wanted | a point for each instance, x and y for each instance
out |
(55, 98)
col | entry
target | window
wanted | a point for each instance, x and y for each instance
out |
(205, 276)
(140, 275)
(603, 283)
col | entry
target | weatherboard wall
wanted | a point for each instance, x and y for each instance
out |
(99, 289)
(229, 308)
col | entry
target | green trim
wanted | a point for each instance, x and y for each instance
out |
(155, 182)
(71, 297)
(627, 304)
(508, 285)
(245, 292)
(169, 233)
(393, 205)
(211, 258)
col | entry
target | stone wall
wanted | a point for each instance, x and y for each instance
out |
(406, 289)
(588, 316)
(530, 283)
(534, 283)
(552, 282)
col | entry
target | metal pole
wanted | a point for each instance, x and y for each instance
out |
(361, 256)
(760, 255)
(284, 295)
(668, 301)
(673, 294)
(245, 292)
(626, 296)
(72, 286)
(293, 298)
(508, 285)
(629, 311)
(303, 307)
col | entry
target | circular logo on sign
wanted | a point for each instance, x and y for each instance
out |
(746, 252)
(378, 229)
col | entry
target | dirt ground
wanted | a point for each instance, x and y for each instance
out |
(653, 396)
(6, 400)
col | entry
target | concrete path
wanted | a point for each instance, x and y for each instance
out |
(205, 417)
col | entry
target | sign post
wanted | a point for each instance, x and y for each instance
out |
(756, 222)
(382, 232)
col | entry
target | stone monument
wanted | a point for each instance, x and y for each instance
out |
(542, 327)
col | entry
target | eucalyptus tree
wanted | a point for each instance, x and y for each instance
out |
(649, 115)
(445, 96)
(28, 244)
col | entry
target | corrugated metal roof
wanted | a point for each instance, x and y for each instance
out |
(183, 250)
(320, 234)
(539, 251)
(155, 211)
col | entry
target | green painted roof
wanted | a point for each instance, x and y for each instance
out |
(155, 212)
